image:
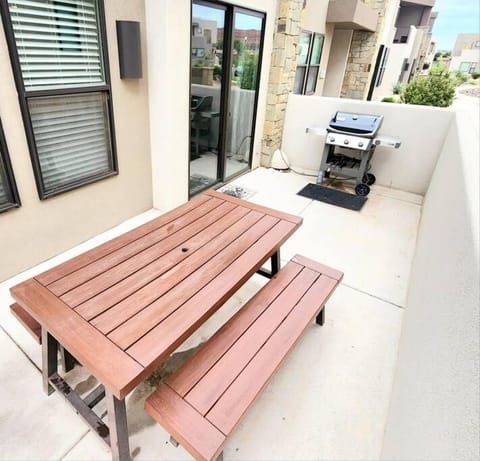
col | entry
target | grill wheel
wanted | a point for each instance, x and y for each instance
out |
(369, 179)
(362, 190)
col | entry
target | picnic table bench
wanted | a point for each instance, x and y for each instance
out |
(203, 402)
(122, 308)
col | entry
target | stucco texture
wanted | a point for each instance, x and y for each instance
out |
(434, 412)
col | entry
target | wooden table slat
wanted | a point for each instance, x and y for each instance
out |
(112, 367)
(209, 354)
(57, 272)
(229, 408)
(135, 263)
(217, 380)
(166, 337)
(116, 257)
(269, 211)
(319, 267)
(126, 334)
(154, 291)
(134, 282)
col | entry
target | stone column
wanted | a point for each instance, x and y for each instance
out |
(282, 74)
(363, 54)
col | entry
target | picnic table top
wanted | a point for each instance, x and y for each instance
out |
(123, 307)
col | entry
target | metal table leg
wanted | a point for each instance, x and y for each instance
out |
(49, 360)
(117, 423)
(275, 266)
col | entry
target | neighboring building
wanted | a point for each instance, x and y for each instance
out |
(204, 39)
(466, 54)
(411, 51)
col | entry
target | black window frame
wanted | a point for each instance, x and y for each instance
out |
(309, 66)
(24, 95)
(11, 184)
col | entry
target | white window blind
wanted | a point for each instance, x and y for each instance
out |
(58, 42)
(72, 137)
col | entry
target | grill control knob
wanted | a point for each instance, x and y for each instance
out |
(360, 144)
(346, 141)
(331, 139)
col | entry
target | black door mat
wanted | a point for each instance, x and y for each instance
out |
(333, 197)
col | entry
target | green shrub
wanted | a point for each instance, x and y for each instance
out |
(475, 75)
(460, 78)
(217, 70)
(249, 75)
(389, 99)
(438, 89)
(398, 88)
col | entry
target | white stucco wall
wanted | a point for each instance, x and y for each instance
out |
(168, 39)
(422, 130)
(434, 411)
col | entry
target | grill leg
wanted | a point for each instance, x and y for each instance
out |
(117, 423)
(49, 359)
(320, 319)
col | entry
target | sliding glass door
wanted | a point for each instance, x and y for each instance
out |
(226, 46)
(206, 94)
(247, 40)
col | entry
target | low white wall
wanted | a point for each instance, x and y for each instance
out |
(434, 411)
(422, 130)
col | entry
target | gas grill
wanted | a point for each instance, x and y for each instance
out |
(350, 143)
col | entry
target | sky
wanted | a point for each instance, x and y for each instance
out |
(454, 17)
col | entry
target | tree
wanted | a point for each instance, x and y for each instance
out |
(239, 48)
(438, 89)
(249, 74)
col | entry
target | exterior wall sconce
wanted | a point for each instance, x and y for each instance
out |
(129, 49)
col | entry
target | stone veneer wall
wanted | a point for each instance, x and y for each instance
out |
(282, 74)
(362, 55)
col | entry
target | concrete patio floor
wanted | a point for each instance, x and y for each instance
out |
(330, 398)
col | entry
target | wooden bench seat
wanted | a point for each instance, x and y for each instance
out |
(203, 402)
(30, 324)
(35, 330)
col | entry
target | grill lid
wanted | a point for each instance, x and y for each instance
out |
(349, 123)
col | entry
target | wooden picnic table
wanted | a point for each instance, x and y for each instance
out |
(123, 307)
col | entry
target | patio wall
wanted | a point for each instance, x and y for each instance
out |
(434, 411)
(409, 168)
(39, 229)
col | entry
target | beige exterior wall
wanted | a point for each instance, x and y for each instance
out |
(337, 62)
(39, 229)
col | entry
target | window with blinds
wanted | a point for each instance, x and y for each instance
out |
(62, 72)
(8, 191)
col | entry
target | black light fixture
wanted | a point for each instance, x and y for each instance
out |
(129, 49)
